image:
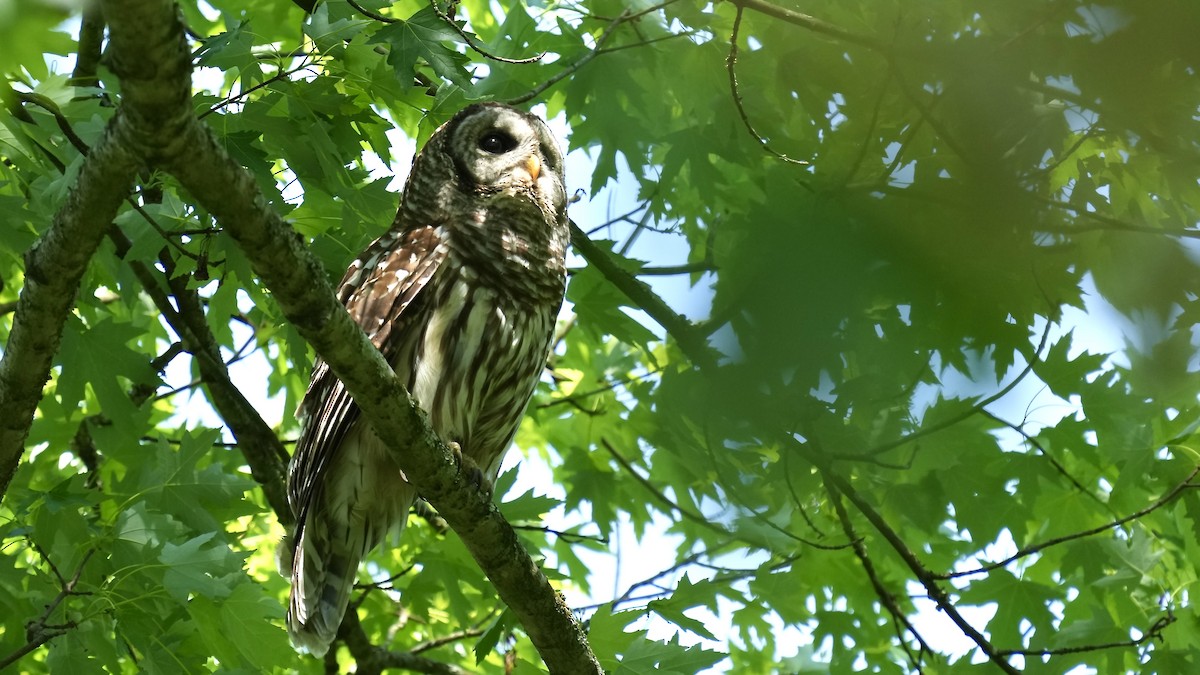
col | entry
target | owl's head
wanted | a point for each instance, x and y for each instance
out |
(499, 150)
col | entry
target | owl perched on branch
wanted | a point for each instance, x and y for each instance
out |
(460, 296)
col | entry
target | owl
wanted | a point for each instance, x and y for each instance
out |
(460, 296)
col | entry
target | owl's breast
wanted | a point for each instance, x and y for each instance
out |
(476, 362)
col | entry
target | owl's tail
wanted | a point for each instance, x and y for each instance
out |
(323, 566)
(324, 563)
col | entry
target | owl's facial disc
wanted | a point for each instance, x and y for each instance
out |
(510, 154)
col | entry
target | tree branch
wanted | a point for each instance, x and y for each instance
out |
(731, 67)
(571, 69)
(56, 263)
(471, 43)
(886, 597)
(371, 659)
(188, 150)
(264, 454)
(37, 631)
(1041, 546)
(811, 23)
(691, 342)
(922, 573)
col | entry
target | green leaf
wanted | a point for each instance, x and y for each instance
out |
(421, 38)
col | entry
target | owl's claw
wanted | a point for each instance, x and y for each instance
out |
(470, 469)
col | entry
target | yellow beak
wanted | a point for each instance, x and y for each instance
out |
(534, 166)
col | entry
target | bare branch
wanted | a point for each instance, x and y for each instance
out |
(693, 516)
(1154, 632)
(260, 446)
(369, 14)
(372, 659)
(975, 409)
(811, 23)
(731, 67)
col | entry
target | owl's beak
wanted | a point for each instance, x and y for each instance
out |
(534, 166)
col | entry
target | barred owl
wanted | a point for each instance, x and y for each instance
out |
(460, 296)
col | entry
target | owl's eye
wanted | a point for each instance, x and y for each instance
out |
(497, 142)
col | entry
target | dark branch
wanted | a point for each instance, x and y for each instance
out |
(39, 631)
(1154, 632)
(91, 40)
(885, 596)
(472, 44)
(260, 446)
(1041, 546)
(976, 409)
(690, 341)
(376, 16)
(922, 573)
(371, 659)
(811, 23)
(731, 67)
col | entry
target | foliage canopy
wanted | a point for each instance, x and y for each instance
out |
(883, 333)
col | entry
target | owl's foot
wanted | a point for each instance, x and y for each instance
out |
(470, 470)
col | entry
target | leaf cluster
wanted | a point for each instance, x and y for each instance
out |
(945, 368)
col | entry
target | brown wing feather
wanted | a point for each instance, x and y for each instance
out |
(395, 273)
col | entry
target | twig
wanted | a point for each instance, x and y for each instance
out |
(636, 15)
(596, 392)
(372, 659)
(371, 15)
(697, 518)
(1154, 632)
(565, 536)
(230, 100)
(731, 67)
(570, 70)
(811, 23)
(472, 44)
(1053, 461)
(474, 631)
(653, 579)
(899, 618)
(975, 409)
(1041, 546)
(64, 124)
(669, 270)
(37, 631)
(922, 573)
(731, 486)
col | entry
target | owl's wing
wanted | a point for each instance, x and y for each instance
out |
(377, 289)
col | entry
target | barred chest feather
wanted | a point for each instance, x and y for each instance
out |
(476, 363)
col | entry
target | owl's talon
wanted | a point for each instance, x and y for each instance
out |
(469, 469)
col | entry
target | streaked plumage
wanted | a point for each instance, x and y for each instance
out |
(460, 296)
